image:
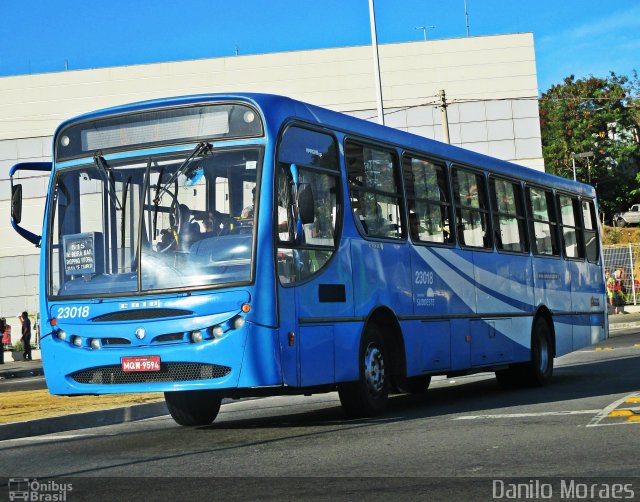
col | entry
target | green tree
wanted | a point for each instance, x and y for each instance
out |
(594, 115)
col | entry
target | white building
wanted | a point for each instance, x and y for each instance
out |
(490, 84)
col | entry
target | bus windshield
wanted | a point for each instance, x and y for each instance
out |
(158, 222)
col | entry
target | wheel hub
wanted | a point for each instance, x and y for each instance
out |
(374, 369)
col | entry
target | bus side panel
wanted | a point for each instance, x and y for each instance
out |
(443, 286)
(587, 295)
(443, 282)
(553, 290)
(381, 276)
(347, 348)
(504, 287)
(427, 346)
(261, 360)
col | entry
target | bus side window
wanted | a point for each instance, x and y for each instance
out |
(542, 220)
(508, 215)
(374, 190)
(571, 225)
(428, 200)
(471, 209)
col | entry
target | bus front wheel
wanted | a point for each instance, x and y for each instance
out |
(369, 394)
(193, 407)
(538, 371)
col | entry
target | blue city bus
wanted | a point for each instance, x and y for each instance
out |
(233, 245)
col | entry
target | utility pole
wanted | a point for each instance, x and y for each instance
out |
(376, 62)
(445, 117)
(466, 16)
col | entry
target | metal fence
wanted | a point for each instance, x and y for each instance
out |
(626, 259)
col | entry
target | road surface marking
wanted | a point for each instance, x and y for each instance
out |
(529, 415)
(621, 413)
(605, 413)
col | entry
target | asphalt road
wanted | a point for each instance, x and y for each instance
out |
(463, 438)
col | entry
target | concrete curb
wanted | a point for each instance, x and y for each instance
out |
(21, 373)
(82, 420)
(618, 326)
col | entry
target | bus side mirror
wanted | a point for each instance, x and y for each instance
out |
(16, 198)
(16, 203)
(306, 204)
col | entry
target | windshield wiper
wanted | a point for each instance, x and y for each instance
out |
(107, 177)
(200, 150)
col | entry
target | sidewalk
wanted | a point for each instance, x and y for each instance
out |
(630, 319)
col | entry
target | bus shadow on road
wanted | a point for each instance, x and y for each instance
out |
(455, 396)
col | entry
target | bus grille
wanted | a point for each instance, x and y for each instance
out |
(141, 314)
(169, 372)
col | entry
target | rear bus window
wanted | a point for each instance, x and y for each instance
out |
(590, 231)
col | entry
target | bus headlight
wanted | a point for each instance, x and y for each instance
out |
(77, 341)
(196, 336)
(61, 334)
(95, 344)
(217, 331)
(238, 322)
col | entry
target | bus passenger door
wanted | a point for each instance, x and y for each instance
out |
(312, 283)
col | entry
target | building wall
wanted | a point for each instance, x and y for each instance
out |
(490, 84)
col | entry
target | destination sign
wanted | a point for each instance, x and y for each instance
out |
(79, 254)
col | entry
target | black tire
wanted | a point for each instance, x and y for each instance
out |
(193, 407)
(368, 395)
(621, 222)
(539, 370)
(413, 385)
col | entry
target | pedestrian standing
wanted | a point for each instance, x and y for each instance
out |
(26, 335)
(3, 326)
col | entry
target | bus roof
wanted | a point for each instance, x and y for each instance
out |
(278, 109)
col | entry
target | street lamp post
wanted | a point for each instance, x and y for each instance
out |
(424, 30)
(376, 61)
(583, 155)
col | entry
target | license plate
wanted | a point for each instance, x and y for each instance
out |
(140, 363)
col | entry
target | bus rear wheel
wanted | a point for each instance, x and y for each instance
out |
(193, 407)
(538, 371)
(368, 395)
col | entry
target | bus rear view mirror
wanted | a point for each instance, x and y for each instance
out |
(305, 203)
(16, 203)
(16, 198)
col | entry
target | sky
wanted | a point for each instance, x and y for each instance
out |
(579, 37)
